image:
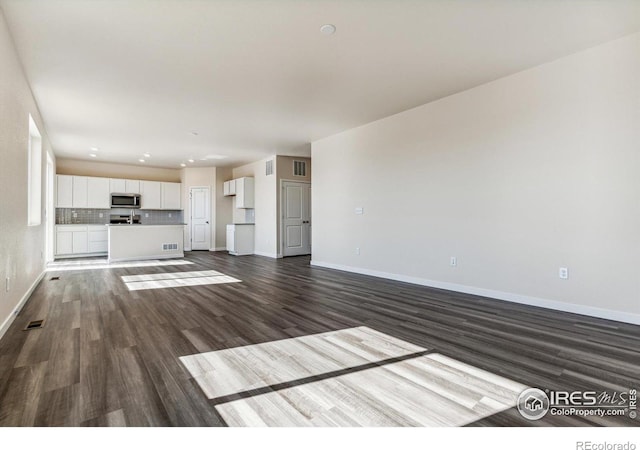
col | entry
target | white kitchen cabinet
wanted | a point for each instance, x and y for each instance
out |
(170, 195)
(151, 193)
(64, 191)
(81, 240)
(132, 186)
(229, 188)
(64, 242)
(80, 192)
(98, 194)
(117, 186)
(244, 192)
(240, 240)
(98, 240)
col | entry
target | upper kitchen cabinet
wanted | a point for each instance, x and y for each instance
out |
(117, 186)
(64, 191)
(229, 188)
(151, 192)
(170, 193)
(98, 193)
(80, 192)
(132, 186)
(244, 192)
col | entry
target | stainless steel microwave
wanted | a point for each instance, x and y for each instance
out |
(125, 200)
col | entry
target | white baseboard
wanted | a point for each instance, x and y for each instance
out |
(145, 258)
(268, 255)
(9, 320)
(609, 314)
(187, 249)
(219, 249)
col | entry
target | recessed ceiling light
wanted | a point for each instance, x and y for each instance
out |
(94, 149)
(190, 160)
(147, 155)
(93, 155)
(183, 165)
(327, 29)
(141, 160)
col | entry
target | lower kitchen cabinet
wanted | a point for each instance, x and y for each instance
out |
(240, 239)
(81, 240)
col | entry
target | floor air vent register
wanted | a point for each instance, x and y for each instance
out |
(34, 325)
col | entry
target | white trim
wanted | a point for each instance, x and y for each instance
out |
(609, 314)
(9, 320)
(187, 249)
(268, 255)
(79, 255)
(219, 249)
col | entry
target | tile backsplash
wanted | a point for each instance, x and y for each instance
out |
(72, 216)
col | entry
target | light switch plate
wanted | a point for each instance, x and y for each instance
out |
(359, 210)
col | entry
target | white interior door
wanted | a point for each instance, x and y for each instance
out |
(200, 218)
(296, 218)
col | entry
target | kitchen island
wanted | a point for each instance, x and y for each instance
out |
(136, 242)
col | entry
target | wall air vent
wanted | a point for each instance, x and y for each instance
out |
(169, 247)
(299, 168)
(269, 167)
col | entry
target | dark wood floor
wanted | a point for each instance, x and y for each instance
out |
(108, 356)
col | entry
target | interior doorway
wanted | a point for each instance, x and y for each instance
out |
(296, 218)
(200, 210)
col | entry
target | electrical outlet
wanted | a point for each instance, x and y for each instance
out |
(453, 262)
(147, 215)
(357, 250)
(8, 284)
(75, 215)
(169, 214)
(563, 273)
(100, 215)
(359, 210)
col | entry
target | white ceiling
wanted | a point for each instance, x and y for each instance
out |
(255, 78)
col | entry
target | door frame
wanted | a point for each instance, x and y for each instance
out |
(211, 237)
(281, 213)
(49, 210)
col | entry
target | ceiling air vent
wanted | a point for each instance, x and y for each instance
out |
(269, 167)
(300, 168)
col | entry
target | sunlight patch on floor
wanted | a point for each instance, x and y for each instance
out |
(95, 264)
(351, 377)
(176, 279)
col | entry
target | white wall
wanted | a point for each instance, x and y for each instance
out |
(266, 237)
(515, 178)
(21, 247)
(113, 170)
(198, 177)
